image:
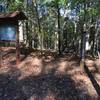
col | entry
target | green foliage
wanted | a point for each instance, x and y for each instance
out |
(43, 16)
(14, 5)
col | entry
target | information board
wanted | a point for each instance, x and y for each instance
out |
(7, 32)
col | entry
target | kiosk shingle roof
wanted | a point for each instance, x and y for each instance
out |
(17, 15)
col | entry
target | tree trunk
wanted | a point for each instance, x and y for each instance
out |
(83, 36)
(59, 32)
(83, 44)
(39, 27)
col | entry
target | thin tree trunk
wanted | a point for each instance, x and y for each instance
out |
(59, 34)
(39, 27)
(83, 38)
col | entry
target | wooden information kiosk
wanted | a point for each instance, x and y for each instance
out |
(9, 30)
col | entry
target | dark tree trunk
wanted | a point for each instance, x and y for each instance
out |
(83, 44)
(92, 40)
(65, 38)
(59, 33)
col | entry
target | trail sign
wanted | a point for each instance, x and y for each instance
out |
(9, 29)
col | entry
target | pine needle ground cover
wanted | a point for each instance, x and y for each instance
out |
(48, 77)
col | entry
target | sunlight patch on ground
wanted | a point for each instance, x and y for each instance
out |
(31, 66)
(62, 66)
(50, 95)
(49, 67)
(89, 63)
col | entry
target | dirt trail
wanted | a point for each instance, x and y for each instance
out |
(47, 77)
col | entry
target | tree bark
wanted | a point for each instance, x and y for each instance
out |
(59, 33)
(39, 27)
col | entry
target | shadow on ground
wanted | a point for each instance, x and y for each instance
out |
(51, 81)
(93, 81)
(41, 87)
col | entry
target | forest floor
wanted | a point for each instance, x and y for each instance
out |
(48, 77)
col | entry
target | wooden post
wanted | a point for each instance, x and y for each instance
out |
(17, 45)
(0, 57)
